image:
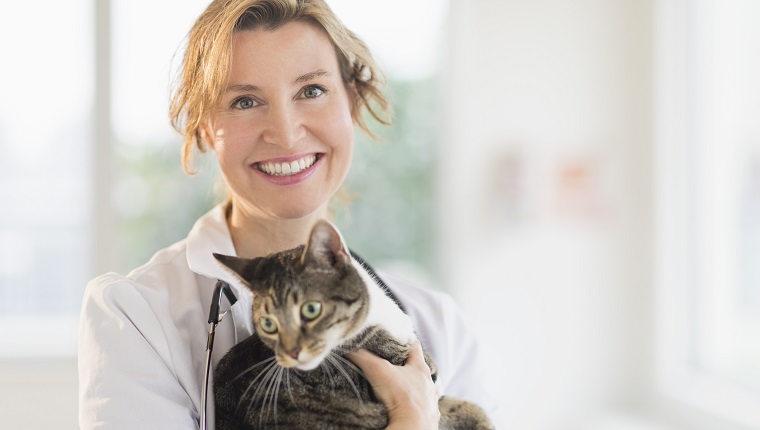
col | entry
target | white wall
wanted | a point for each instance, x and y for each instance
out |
(553, 267)
(38, 393)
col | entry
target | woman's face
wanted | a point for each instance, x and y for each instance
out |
(283, 132)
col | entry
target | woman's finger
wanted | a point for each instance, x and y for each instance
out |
(416, 357)
(370, 363)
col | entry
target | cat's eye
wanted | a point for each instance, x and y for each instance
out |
(267, 325)
(311, 310)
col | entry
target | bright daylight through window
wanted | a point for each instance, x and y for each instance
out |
(45, 175)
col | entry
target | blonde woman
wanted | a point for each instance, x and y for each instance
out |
(275, 89)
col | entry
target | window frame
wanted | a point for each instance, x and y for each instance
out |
(687, 302)
(55, 334)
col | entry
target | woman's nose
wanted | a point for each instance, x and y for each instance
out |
(283, 126)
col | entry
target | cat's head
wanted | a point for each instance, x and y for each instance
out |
(307, 300)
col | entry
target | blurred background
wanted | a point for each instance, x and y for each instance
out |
(582, 176)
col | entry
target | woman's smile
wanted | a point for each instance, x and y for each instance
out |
(290, 170)
(286, 167)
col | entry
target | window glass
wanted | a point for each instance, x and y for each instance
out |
(730, 342)
(152, 202)
(388, 216)
(46, 89)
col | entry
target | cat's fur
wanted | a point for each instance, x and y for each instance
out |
(297, 377)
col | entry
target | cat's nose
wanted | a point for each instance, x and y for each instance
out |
(294, 352)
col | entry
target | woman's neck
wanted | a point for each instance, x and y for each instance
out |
(257, 235)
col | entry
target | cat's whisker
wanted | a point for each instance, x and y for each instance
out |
(277, 391)
(271, 370)
(290, 392)
(345, 375)
(244, 372)
(269, 398)
(260, 375)
(269, 386)
(352, 366)
(324, 365)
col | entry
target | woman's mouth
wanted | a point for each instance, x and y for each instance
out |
(287, 168)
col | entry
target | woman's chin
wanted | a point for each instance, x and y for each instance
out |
(299, 209)
(283, 207)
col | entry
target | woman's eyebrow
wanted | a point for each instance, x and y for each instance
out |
(242, 88)
(311, 75)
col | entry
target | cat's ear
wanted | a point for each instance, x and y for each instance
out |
(243, 268)
(326, 247)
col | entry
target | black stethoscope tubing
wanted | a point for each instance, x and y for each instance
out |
(214, 317)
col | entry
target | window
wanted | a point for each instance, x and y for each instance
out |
(709, 205)
(388, 219)
(45, 171)
(151, 202)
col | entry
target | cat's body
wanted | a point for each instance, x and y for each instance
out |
(312, 305)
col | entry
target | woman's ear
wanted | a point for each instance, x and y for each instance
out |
(206, 129)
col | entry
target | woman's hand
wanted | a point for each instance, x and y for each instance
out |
(407, 392)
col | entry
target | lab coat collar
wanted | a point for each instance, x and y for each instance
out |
(210, 235)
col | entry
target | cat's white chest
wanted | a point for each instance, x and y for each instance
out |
(385, 313)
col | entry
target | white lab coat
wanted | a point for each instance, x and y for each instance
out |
(142, 337)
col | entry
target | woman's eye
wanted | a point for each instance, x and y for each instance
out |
(313, 92)
(267, 325)
(311, 310)
(244, 103)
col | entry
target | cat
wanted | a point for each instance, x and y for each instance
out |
(312, 305)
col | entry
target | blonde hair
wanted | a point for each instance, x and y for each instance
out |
(205, 67)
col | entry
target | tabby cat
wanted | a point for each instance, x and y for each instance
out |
(311, 306)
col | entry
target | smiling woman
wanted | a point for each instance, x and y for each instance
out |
(266, 85)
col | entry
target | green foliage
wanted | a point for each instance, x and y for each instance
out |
(156, 203)
(391, 212)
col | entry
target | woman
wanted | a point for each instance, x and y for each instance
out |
(274, 89)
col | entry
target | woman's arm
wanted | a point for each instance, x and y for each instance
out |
(407, 392)
(126, 380)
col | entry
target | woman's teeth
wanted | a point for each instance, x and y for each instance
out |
(285, 169)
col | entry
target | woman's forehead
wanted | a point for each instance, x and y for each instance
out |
(286, 53)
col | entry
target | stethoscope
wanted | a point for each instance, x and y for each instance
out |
(214, 317)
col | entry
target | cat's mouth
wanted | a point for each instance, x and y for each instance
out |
(288, 167)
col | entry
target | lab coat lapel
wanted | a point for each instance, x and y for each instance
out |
(210, 235)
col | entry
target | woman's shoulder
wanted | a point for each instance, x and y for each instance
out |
(163, 269)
